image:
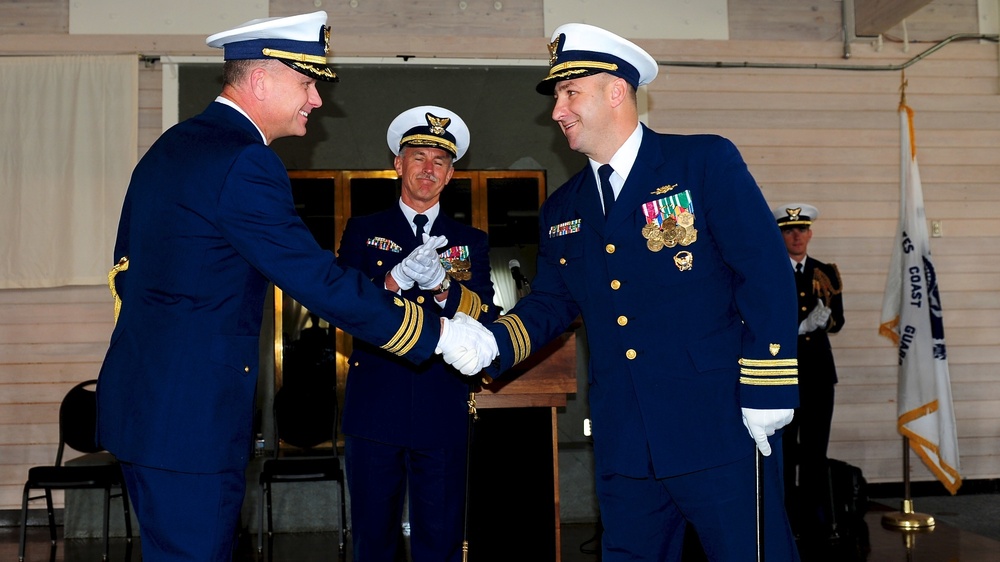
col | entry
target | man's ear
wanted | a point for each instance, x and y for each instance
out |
(259, 80)
(618, 91)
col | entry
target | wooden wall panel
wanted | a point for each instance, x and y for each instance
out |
(828, 137)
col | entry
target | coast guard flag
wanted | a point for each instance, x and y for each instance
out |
(911, 318)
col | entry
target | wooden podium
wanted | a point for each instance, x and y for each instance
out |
(514, 477)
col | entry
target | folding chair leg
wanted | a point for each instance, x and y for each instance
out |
(270, 521)
(24, 524)
(128, 513)
(343, 520)
(107, 520)
(52, 515)
(260, 519)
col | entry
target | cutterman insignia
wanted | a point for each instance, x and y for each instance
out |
(662, 190)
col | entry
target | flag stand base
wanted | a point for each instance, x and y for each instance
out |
(907, 519)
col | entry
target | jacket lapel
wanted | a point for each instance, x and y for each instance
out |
(639, 184)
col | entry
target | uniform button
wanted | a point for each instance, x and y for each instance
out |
(807, 338)
(616, 284)
(610, 248)
(804, 309)
(356, 363)
(622, 320)
(246, 368)
(420, 299)
(802, 294)
(379, 263)
(562, 261)
(630, 354)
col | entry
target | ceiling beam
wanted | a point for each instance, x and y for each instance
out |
(874, 17)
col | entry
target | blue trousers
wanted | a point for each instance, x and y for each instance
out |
(378, 475)
(183, 516)
(645, 518)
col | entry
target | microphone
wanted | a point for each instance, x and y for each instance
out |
(515, 271)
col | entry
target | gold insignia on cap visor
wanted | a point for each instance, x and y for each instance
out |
(286, 55)
(429, 140)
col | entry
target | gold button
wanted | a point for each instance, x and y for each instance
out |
(804, 309)
(562, 261)
(610, 248)
(379, 263)
(485, 308)
(807, 338)
(420, 299)
(356, 363)
(615, 284)
(802, 294)
(622, 320)
(630, 354)
(246, 368)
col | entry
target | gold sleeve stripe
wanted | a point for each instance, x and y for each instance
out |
(769, 372)
(769, 382)
(470, 303)
(769, 362)
(518, 336)
(409, 330)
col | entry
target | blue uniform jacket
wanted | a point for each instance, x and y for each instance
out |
(674, 351)
(207, 220)
(393, 401)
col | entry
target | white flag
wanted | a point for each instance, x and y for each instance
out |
(912, 319)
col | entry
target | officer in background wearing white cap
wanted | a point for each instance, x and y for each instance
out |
(416, 438)
(821, 312)
(208, 221)
(666, 246)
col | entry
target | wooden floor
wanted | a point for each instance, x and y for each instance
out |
(945, 543)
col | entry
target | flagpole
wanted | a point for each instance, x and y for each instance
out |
(907, 519)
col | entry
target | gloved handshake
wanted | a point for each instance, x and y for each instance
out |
(817, 319)
(422, 267)
(465, 344)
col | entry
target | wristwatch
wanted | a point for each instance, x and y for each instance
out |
(442, 287)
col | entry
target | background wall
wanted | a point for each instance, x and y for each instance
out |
(828, 137)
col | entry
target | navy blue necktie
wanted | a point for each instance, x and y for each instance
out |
(607, 191)
(420, 221)
(798, 268)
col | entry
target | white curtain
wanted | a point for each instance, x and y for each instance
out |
(68, 137)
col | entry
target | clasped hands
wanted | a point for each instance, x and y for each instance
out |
(422, 267)
(817, 318)
(465, 344)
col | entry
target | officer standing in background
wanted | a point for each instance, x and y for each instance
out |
(666, 246)
(406, 424)
(821, 312)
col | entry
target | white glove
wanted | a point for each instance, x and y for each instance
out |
(465, 344)
(762, 423)
(419, 263)
(423, 265)
(817, 319)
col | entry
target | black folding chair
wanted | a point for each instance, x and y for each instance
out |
(97, 469)
(305, 427)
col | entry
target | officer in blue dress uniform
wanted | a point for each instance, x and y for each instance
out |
(208, 220)
(821, 312)
(667, 248)
(405, 424)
